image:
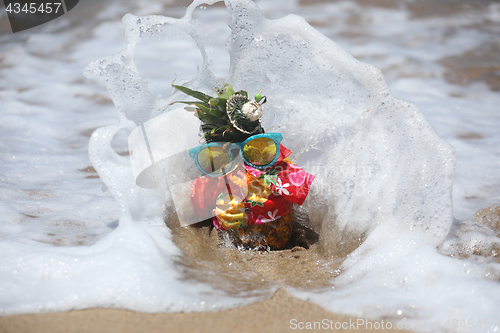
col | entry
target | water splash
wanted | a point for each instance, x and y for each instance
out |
(381, 199)
(376, 157)
(382, 173)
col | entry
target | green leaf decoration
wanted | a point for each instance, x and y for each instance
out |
(217, 124)
(273, 171)
(218, 102)
(241, 92)
(207, 118)
(184, 102)
(254, 203)
(196, 94)
(270, 176)
(223, 128)
(203, 108)
(225, 92)
(207, 127)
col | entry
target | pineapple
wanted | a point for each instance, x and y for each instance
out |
(275, 235)
(233, 117)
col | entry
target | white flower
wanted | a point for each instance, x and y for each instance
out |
(281, 187)
(272, 216)
(252, 110)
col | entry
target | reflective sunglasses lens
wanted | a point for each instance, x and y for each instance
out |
(213, 159)
(260, 151)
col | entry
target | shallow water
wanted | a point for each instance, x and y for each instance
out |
(60, 227)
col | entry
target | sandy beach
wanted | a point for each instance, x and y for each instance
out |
(56, 210)
(273, 315)
(227, 268)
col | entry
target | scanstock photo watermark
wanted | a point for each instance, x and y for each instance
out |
(28, 14)
(351, 324)
(471, 325)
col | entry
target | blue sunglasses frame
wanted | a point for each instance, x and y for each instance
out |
(276, 137)
(193, 153)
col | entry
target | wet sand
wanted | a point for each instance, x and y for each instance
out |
(210, 259)
(273, 315)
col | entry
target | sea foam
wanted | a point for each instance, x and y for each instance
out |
(381, 198)
(376, 158)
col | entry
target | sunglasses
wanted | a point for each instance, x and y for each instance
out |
(258, 151)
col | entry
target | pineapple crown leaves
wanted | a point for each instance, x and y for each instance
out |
(219, 120)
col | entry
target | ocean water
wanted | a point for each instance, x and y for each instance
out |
(401, 136)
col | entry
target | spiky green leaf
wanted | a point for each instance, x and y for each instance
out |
(218, 102)
(196, 94)
(208, 118)
(203, 107)
(184, 102)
